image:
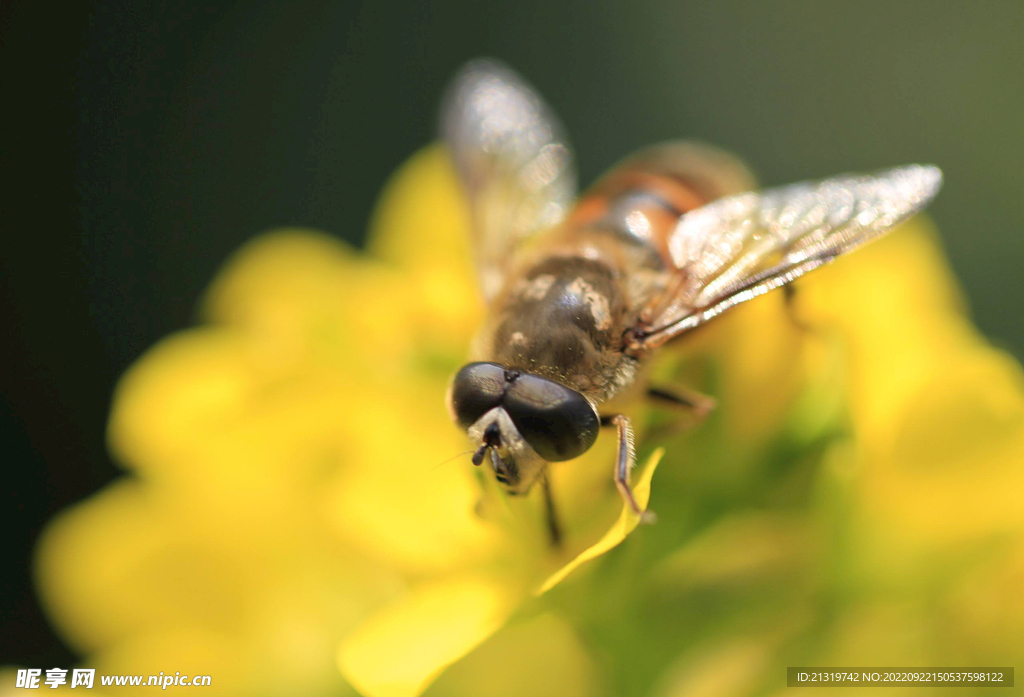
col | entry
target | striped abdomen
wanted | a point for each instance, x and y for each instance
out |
(643, 198)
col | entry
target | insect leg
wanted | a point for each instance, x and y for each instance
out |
(691, 401)
(624, 462)
(694, 405)
(789, 295)
(554, 529)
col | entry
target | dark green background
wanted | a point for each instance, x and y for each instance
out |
(147, 141)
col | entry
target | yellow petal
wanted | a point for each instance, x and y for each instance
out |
(627, 522)
(539, 655)
(122, 562)
(421, 226)
(403, 500)
(399, 652)
(277, 283)
(421, 219)
(183, 388)
(302, 297)
(896, 306)
(188, 651)
(951, 470)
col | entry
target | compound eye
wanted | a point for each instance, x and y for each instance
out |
(475, 390)
(557, 422)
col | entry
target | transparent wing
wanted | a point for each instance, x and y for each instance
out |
(739, 247)
(514, 163)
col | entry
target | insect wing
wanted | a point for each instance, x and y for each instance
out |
(514, 163)
(742, 246)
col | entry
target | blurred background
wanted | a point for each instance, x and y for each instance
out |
(146, 142)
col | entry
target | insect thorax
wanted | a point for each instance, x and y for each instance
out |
(563, 318)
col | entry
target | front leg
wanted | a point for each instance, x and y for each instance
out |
(624, 462)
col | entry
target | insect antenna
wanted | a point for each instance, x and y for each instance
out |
(453, 457)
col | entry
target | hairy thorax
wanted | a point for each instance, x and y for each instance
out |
(563, 314)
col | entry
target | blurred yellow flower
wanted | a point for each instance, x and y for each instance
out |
(290, 507)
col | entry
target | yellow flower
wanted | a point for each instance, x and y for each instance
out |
(292, 522)
(289, 490)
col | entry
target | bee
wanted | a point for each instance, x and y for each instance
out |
(581, 293)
